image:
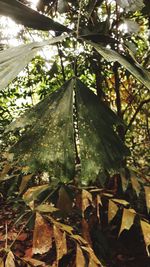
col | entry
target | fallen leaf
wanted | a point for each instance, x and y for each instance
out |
(127, 219)
(146, 233)
(85, 231)
(80, 259)
(112, 210)
(147, 196)
(10, 260)
(60, 241)
(42, 235)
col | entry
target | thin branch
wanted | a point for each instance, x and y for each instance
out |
(61, 62)
(136, 112)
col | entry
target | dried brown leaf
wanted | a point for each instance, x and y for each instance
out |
(92, 255)
(34, 262)
(127, 219)
(147, 196)
(86, 232)
(135, 184)
(80, 259)
(124, 180)
(121, 201)
(86, 200)
(64, 202)
(25, 180)
(112, 210)
(42, 235)
(60, 241)
(146, 233)
(1, 262)
(10, 260)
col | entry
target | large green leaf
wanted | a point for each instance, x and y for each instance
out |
(100, 147)
(29, 17)
(13, 60)
(48, 143)
(126, 61)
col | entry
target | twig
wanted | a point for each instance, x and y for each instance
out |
(61, 62)
(136, 112)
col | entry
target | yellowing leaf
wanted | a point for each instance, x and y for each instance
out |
(42, 235)
(112, 210)
(25, 180)
(32, 193)
(146, 233)
(60, 241)
(45, 208)
(135, 184)
(10, 260)
(147, 196)
(80, 259)
(64, 202)
(127, 219)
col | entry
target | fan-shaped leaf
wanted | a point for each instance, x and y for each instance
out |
(126, 61)
(112, 210)
(127, 219)
(96, 123)
(29, 17)
(49, 143)
(146, 233)
(42, 235)
(13, 60)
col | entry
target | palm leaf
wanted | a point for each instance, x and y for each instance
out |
(100, 147)
(13, 60)
(49, 142)
(29, 17)
(126, 61)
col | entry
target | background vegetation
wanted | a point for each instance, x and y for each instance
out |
(74, 130)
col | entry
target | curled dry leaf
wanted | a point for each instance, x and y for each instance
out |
(86, 200)
(80, 259)
(127, 219)
(86, 232)
(147, 196)
(10, 260)
(60, 241)
(112, 210)
(146, 233)
(92, 256)
(42, 235)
